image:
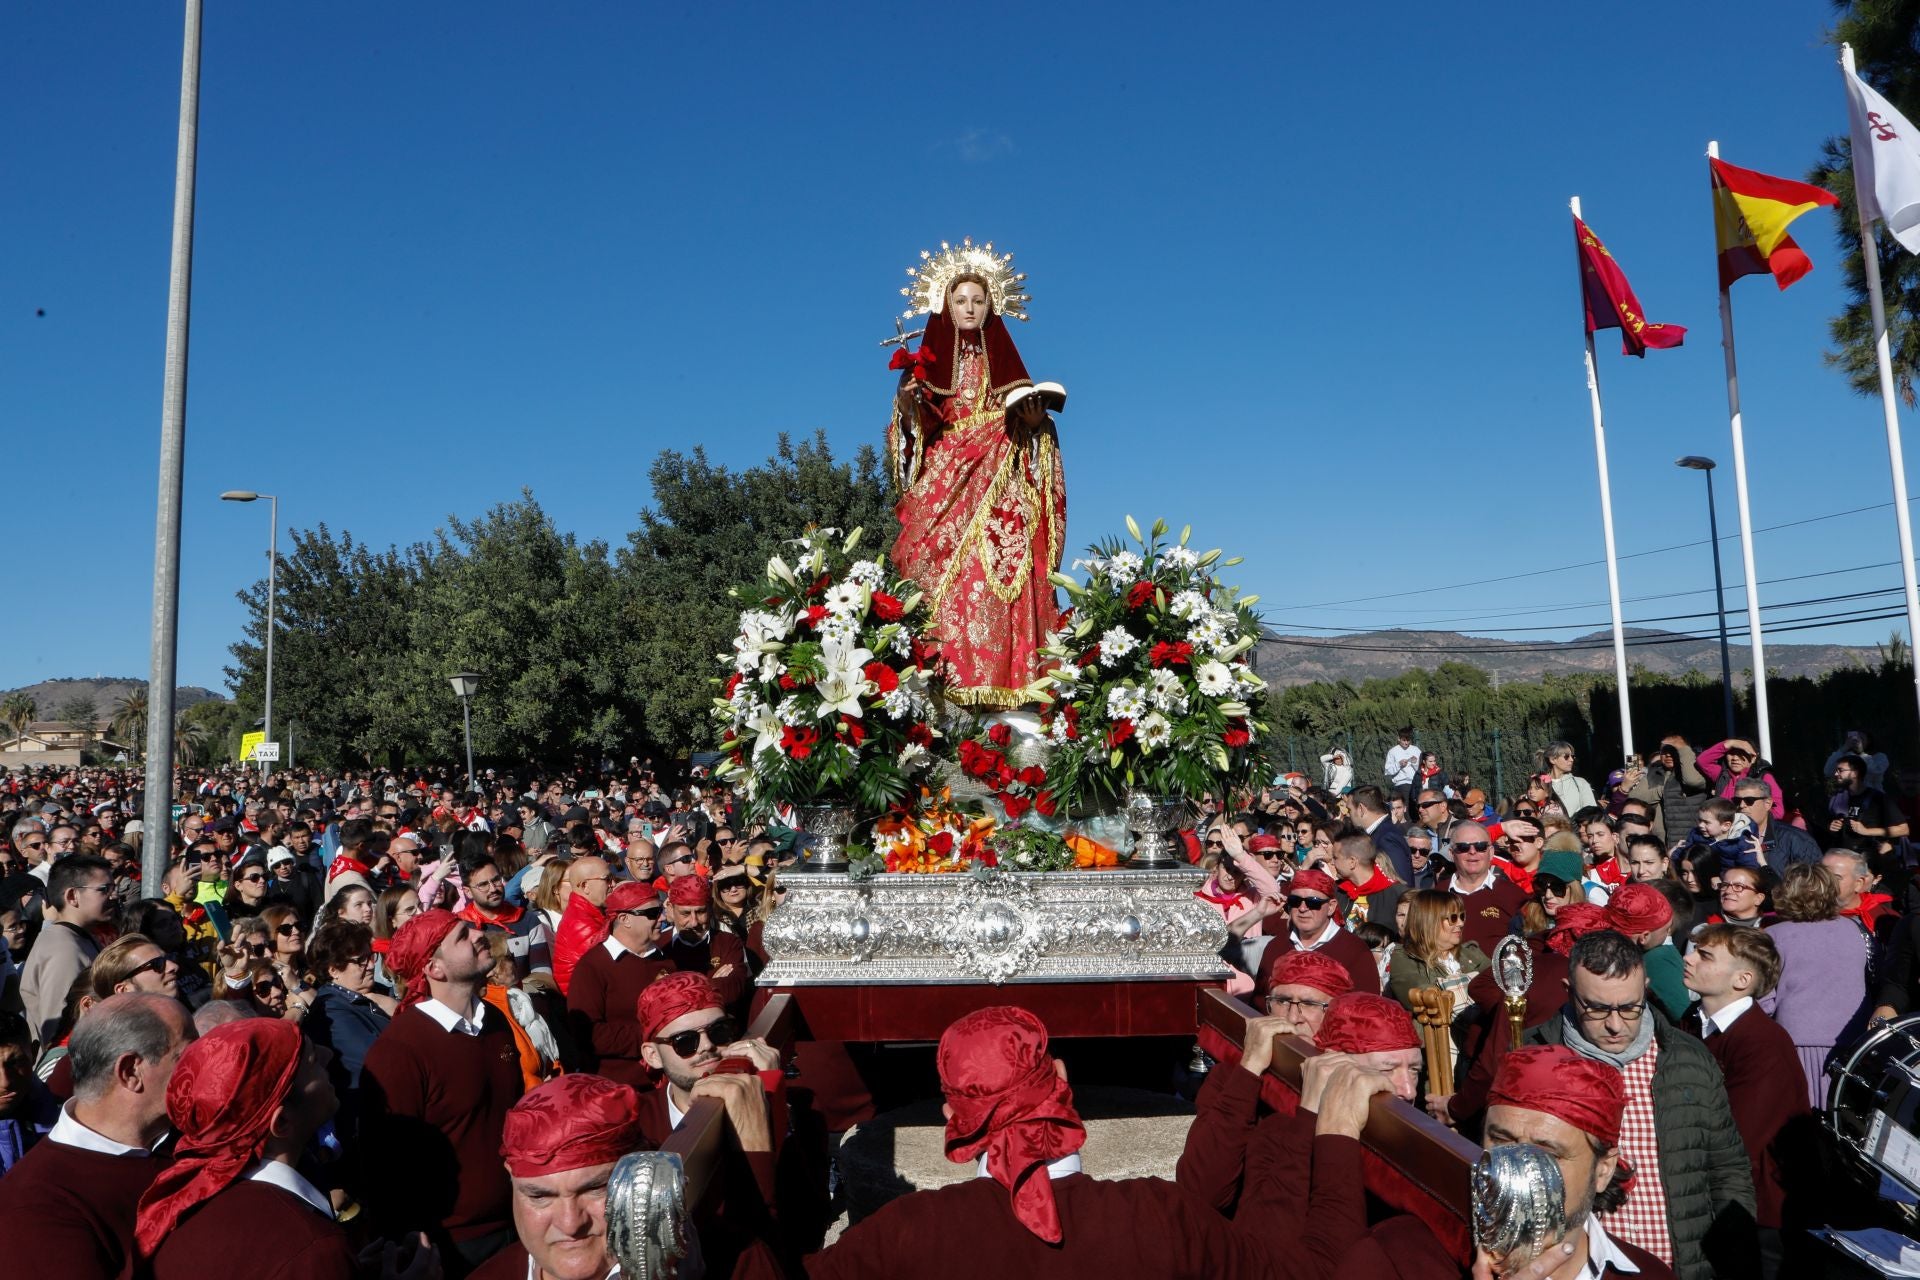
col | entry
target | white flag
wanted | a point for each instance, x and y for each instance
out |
(1886, 163)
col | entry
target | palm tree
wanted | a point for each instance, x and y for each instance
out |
(130, 717)
(189, 741)
(18, 710)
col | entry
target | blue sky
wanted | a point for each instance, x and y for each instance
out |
(1311, 287)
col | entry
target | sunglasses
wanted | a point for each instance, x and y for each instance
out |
(1545, 884)
(719, 1032)
(723, 840)
(674, 862)
(1295, 901)
(253, 879)
(156, 965)
(1473, 846)
(287, 930)
(268, 988)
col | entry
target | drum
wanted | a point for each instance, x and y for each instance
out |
(1873, 1102)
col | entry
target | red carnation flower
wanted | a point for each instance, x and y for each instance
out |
(882, 675)
(853, 730)
(1045, 804)
(940, 843)
(1015, 804)
(1032, 776)
(813, 615)
(820, 584)
(1003, 776)
(1170, 653)
(887, 608)
(1139, 595)
(798, 741)
(920, 735)
(1090, 657)
(1119, 733)
(733, 683)
(1000, 735)
(788, 683)
(1235, 734)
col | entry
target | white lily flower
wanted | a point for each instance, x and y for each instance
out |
(765, 727)
(1155, 731)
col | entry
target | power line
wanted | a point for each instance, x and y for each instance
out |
(1818, 622)
(1588, 564)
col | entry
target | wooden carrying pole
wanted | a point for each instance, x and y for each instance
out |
(1433, 1012)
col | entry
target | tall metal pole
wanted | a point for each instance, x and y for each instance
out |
(1756, 644)
(157, 813)
(1606, 528)
(1720, 610)
(466, 725)
(273, 564)
(1896, 458)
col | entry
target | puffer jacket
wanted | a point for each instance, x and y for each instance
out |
(1675, 797)
(583, 927)
(1704, 1168)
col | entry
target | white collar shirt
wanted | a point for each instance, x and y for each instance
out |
(69, 1132)
(1718, 1023)
(288, 1178)
(453, 1021)
(1326, 936)
(1603, 1253)
(1065, 1165)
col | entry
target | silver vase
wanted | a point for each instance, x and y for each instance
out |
(1154, 822)
(827, 827)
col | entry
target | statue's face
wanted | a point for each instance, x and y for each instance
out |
(967, 305)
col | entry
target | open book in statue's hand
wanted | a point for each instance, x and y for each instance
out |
(1053, 396)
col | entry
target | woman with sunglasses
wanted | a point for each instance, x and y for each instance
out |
(247, 892)
(1434, 953)
(289, 947)
(734, 901)
(258, 985)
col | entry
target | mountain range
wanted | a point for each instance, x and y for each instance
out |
(105, 691)
(1294, 659)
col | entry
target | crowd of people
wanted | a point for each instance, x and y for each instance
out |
(388, 1023)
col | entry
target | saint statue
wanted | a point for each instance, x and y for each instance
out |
(983, 500)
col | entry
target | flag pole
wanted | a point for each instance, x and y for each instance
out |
(1758, 647)
(1870, 256)
(1606, 526)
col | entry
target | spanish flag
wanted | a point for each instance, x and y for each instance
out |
(1750, 216)
(1610, 302)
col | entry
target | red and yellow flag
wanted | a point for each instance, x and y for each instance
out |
(1610, 303)
(1750, 216)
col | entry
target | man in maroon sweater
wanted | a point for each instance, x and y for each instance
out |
(1729, 968)
(609, 979)
(560, 1145)
(1311, 906)
(1488, 899)
(436, 1088)
(697, 948)
(247, 1099)
(67, 1208)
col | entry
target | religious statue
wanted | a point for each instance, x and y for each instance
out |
(983, 500)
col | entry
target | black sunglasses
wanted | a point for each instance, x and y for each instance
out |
(1544, 884)
(155, 965)
(287, 930)
(1471, 846)
(1297, 900)
(721, 1031)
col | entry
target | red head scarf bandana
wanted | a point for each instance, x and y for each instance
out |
(1359, 1022)
(1574, 922)
(674, 996)
(688, 891)
(1311, 969)
(413, 945)
(221, 1099)
(1591, 1096)
(1263, 844)
(571, 1122)
(1638, 908)
(1008, 1102)
(1315, 881)
(631, 894)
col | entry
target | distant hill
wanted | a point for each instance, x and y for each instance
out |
(106, 691)
(1291, 659)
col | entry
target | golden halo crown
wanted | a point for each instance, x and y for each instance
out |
(928, 292)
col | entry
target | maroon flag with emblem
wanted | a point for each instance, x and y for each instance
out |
(1609, 300)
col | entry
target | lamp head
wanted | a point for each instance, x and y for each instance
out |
(1694, 462)
(239, 495)
(465, 685)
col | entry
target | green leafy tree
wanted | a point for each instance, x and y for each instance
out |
(17, 711)
(210, 732)
(1882, 33)
(709, 529)
(80, 710)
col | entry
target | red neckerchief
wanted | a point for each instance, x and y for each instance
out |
(1610, 874)
(1868, 910)
(1521, 877)
(1381, 880)
(1223, 901)
(509, 915)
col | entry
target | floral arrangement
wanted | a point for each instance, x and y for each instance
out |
(1031, 849)
(1149, 685)
(931, 838)
(829, 695)
(1020, 791)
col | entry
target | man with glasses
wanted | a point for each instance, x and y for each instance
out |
(1775, 845)
(1488, 899)
(79, 902)
(1693, 1182)
(696, 947)
(1860, 817)
(29, 837)
(609, 980)
(487, 906)
(1312, 904)
(641, 860)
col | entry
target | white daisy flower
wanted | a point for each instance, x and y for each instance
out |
(1244, 681)
(1188, 605)
(1066, 675)
(1179, 558)
(1214, 678)
(898, 705)
(845, 599)
(1167, 693)
(1057, 731)
(1115, 644)
(1126, 702)
(1124, 567)
(866, 573)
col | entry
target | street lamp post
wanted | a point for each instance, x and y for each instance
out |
(273, 562)
(1693, 462)
(465, 685)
